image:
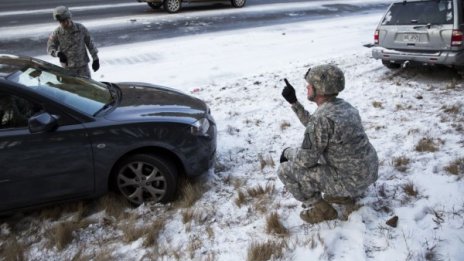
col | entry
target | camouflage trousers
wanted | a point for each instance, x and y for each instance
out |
(82, 71)
(308, 184)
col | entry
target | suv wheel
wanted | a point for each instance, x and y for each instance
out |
(391, 65)
(143, 177)
(172, 6)
(155, 5)
(238, 3)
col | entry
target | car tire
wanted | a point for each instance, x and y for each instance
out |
(172, 6)
(155, 5)
(391, 65)
(238, 3)
(144, 177)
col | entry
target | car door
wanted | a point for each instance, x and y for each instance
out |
(41, 167)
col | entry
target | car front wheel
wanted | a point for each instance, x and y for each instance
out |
(172, 6)
(238, 3)
(143, 177)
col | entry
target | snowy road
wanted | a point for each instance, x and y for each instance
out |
(25, 32)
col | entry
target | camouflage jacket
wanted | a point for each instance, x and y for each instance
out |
(335, 136)
(73, 43)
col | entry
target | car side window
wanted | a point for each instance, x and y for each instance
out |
(16, 111)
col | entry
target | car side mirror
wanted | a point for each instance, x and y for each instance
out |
(42, 122)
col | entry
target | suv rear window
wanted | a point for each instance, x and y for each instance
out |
(423, 12)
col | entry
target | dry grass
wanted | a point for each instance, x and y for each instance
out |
(187, 215)
(114, 205)
(410, 190)
(454, 109)
(275, 226)
(104, 255)
(63, 233)
(456, 167)
(426, 144)
(259, 191)
(241, 198)
(401, 163)
(258, 194)
(284, 125)
(131, 231)
(153, 232)
(12, 249)
(80, 209)
(400, 107)
(377, 104)
(265, 251)
(210, 232)
(193, 246)
(190, 193)
(265, 161)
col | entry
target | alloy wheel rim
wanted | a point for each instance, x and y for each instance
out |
(140, 182)
(239, 2)
(173, 5)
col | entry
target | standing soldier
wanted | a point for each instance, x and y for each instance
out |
(336, 161)
(69, 42)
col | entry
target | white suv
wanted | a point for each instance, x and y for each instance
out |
(173, 6)
(427, 32)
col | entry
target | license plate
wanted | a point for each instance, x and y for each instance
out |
(411, 38)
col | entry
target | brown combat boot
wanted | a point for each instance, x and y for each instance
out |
(321, 211)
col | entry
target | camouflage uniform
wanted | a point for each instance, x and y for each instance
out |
(336, 157)
(73, 43)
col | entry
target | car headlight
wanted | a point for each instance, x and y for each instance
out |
(200, 127)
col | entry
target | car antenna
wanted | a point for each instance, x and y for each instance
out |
(404, 2)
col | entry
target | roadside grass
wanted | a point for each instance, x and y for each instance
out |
(427, 144)
(401, 163)
(265, 251)
(456, 167)
(61, 234)
(190, 193)
(12, 249)
(274, 226)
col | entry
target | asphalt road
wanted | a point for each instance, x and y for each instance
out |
(25, 14)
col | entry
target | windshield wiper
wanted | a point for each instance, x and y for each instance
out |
(106, 106)
(112, 89)
(425, 25)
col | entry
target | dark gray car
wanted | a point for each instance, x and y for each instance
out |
(64, 137)
(173, 6)
(427, 32)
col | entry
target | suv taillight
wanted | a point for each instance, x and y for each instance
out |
(456, 38)
(376, 37)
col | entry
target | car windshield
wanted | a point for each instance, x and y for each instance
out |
(423, 12)
(84, 95)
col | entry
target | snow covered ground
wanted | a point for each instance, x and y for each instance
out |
(413, 117)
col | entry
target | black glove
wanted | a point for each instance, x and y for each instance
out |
(62, 57)
(289, 92)
(96, 65)
(282, 156)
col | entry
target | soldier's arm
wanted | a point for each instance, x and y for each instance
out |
(90, 44)
(53, 44)
(315, 142)
(302, 114)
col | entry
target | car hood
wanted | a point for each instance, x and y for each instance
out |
(138, 101)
